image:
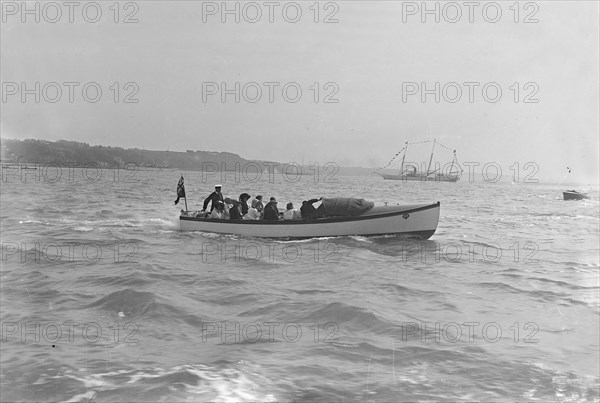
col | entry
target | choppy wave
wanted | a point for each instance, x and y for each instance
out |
(150, 313)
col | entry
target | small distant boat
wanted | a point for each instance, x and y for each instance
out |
(574, 195)
(415, 221)
(407, 174)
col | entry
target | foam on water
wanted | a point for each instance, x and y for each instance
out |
(183, 383)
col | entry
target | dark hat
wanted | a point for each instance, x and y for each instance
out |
(273, 199)
(259, 197)
(290, 206)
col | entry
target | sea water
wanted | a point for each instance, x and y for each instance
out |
(103, 298)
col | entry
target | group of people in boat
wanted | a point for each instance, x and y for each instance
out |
(225, 208)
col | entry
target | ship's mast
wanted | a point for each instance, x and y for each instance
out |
(431, 158)
(403, 155)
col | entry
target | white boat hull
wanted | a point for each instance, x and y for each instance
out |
(418, 221)
(421, 178)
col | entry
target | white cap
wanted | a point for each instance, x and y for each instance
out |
(218, 186)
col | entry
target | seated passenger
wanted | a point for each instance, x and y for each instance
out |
(271, 212)
(219, 212)
(257, 203)
(297, 214)
(240, 207)
(290, 213)
(252, 214)
(244, 197)
(259, 206)
(235, 213)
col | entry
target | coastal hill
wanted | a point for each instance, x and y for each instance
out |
(79, 154)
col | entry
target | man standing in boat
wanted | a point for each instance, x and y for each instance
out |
(214, 197)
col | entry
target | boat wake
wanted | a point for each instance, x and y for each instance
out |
(183, 383)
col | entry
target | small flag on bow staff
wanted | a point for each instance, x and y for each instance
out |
(181, 192)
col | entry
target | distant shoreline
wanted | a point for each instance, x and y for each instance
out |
(76, 154)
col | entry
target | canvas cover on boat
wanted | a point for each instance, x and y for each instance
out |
(345, 206)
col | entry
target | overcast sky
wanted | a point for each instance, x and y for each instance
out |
(369, 57)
